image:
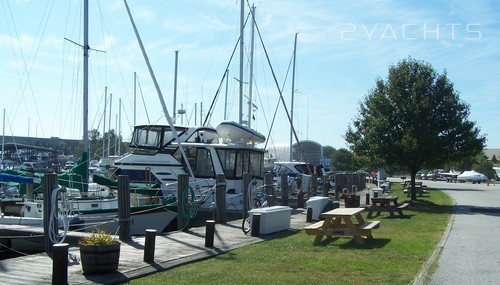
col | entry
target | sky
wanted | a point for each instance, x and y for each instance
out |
(342, 48)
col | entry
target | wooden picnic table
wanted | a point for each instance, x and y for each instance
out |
(338, 223)
(419, 188)
(386, 204)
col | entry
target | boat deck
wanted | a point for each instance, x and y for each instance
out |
(172, 249)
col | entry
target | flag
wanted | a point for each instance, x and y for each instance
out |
(254, 107)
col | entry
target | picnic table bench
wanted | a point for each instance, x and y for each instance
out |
(386, 204)
(338, 223)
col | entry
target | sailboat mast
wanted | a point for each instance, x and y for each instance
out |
(175, 85)
(293, 93)
(104, 122)
(242, 20)
(250, 82)
(85, 75)
(3, 135)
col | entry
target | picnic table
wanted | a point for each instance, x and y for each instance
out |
(386, 204)
(419, 188)
(339, 223)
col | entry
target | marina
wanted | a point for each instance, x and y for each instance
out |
(171, 250)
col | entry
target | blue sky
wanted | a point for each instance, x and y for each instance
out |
(342, 47)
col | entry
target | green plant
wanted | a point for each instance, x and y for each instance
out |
(99, 237)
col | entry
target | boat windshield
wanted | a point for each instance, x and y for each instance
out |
(153, 137)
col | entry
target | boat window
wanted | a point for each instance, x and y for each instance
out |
(238, 162)
(138, 176)
(203, 166)
(168, 136)
(146, 138)
(228, 161)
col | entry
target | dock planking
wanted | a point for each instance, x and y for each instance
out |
(171, 250)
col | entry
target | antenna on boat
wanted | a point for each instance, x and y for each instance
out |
(158, 91)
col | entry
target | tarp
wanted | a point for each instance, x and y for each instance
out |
(472, 175)
(4, 177)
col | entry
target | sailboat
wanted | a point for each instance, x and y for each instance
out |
(93, 205)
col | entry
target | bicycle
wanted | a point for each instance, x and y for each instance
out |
(259, 201)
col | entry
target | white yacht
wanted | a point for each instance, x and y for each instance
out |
(229, 149)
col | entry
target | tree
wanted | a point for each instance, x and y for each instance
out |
(343, 159)
(414, 120)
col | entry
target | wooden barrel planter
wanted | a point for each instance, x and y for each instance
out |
(352, 201)
(100, 259)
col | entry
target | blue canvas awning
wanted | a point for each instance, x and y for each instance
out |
(15, 178)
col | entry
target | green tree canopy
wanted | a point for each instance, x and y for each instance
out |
(414, 120)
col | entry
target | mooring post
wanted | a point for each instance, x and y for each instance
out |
(326, 185)
(60, 264)
(182, 206)
(309, 214)
(247, 179)
(49, 182)
(124, 231)
(314, 185)
(255, 224)
(220, 198)
(149, 246)
(210, 233)
(284, 189)
(269, 188)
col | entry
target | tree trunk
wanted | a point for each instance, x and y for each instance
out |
(413, 192)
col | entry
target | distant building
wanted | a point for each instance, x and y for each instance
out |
(312, 152)
(489, 152)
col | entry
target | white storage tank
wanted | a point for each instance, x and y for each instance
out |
(273, 219)
(317, 203)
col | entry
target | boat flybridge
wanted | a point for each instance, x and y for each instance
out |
(229, 149)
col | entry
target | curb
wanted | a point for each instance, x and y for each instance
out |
(422, 277)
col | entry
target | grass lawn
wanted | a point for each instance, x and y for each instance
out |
(401, 247)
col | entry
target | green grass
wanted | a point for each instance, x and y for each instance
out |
(396, 256)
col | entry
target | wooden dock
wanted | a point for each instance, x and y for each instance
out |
(171, 250)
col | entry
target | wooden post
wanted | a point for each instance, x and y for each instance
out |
(210, 233)
(124, 231)
(29, 188)
(255, 224)
(60, 264)
(326, 185)
(284, 189)
(269, 188)
(220, 198)
(149, 246)
(314, 185)
(49, 182)
(182, 184)
(247, 179)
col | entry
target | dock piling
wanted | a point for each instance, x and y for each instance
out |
(210, 233)
(149, 246)
(60, 264)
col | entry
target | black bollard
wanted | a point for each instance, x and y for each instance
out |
(309, 214)
(255, 225)
(367, 198)
(60, 264)
(210, 233)
(149, 246)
